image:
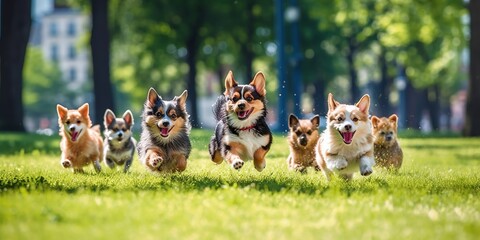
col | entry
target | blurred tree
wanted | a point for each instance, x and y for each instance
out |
(15, 32)
(100, 48)
(472, 128)
(42, 81)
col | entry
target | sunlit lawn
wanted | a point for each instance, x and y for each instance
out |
(434, 196)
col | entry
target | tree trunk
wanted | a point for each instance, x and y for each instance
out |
(247, 46)
(383, 99)
(15, 31)
(352, 72)
(415, 105)
(319, 103)
(100, 46)
(434, 106)
(472, 128)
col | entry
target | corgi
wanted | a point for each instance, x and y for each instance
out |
(119, 142)
(81, 143)
(346, 145)
(164, 144)
(241, 132)
(387, 151)
(302, 138)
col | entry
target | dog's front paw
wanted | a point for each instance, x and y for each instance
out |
(341, 164)
(365, 170)
(66, 163)
(237, 164)
(156, 161)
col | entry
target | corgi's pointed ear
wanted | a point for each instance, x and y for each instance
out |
(128, 118)
(152, 97)
(108, 117)
(375, 121)
(394, 120)
(182, 99)
(332, 104)
(61, 111)
(364, 103)
(83, 110)
(259, 83)
(315, 121)
(292, 121)
(229, 83)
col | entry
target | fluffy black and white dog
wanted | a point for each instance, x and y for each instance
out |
(119, 145)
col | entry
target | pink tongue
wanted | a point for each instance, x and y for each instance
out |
(347, 137)
(74, 136)
(164, 131)
(242, 114)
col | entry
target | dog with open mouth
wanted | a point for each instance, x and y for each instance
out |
(164, 144)
(119, 142)
(346, 145)
(241, 132)
(81, 143)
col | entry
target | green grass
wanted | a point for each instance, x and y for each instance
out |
(434, 196)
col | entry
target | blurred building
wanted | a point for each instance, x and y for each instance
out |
(60, 34)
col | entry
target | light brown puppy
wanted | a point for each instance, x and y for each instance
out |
(387, 151)
(81, 144)
(302, 139)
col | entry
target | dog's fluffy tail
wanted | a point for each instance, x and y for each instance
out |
(219, 108)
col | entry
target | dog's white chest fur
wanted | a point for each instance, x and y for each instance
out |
(250, 140)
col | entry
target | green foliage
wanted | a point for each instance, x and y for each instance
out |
(436, 190)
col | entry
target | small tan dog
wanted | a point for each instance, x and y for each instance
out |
(81, 144)
(346, 145)
(302, 138)
(388, 153)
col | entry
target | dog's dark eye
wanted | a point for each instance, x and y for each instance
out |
(309, 132)
(339, 119)
(67, 122)
(355, 119)
(115, 129)
(234, 99)
(249, 99)
(173, 116)
(78, 121)
(383, 133)
(158, 114)
(390, 132)
(298, 133)
(124, 129)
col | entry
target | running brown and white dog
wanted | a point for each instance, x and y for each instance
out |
(164, 144)
(242, 132)
(346, 145)
(81, 143)
(302, 139)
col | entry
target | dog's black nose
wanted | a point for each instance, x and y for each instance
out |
(303, 140)
(72, 128)
(241, 106)
(348, 127)
(165, 124)
(389, 138)
(120, 134)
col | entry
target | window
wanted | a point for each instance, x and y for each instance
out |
(54, 52)
(72, 74)
(71, 29)
(72, 52)
(53, 29)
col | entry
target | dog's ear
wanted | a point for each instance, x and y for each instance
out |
(332, 104)
(128, 118)
(182, 99)
(259, 83)
(229, 83)
(394, 120)
(108, 117)
(375, 121)
(364, 104)
(152, 97)
(62, 111)
(292, 121)
(83, 110)
(315, 121)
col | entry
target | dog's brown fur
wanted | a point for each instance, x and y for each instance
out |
(302, 139)
(85, 147)
(388, 153)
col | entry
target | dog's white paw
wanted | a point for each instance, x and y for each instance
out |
(237, 164)
(156, 161)
(365, 170)
(66, 164)
(341, 164)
